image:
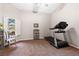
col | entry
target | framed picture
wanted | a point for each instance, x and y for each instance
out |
(36, 25)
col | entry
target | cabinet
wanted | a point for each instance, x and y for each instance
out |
(36, 33)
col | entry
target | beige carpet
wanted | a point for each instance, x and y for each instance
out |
(37, 48)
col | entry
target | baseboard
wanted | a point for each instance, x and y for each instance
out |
(41, 37)
(74, 46)
(27, 39)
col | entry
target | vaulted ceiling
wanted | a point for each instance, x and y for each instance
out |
(43, 8)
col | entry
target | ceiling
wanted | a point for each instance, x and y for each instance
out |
(43, 8)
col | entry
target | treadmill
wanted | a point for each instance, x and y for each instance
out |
(55, 41)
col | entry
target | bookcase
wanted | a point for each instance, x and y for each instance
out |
(1, 38)
(7, 32)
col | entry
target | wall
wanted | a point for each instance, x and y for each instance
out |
(25, 20)
(29, 18)
(1, 14)
(9, 11)
(70, 14)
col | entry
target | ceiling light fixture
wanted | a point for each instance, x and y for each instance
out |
(36, 7)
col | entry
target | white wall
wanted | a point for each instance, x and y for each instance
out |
(29, 18)
(9, 11)
(1, 14)
(25, 20)
(70, 14)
